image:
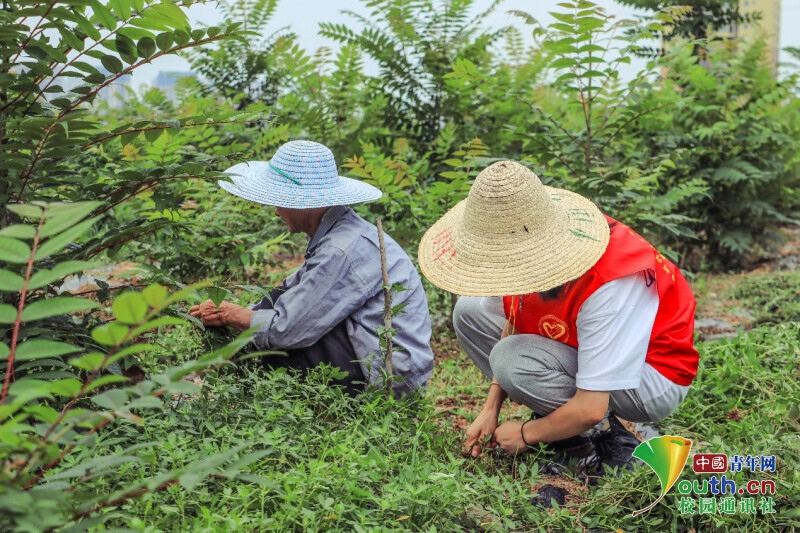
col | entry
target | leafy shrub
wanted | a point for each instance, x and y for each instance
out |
(243, 70)
(58, 147)
(57, 391)
(415, 46)
(57, 395)
(730, 129)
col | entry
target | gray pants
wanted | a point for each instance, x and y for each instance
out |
(539, 372)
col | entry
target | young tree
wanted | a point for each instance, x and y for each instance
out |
(706, 19)
(56, 59)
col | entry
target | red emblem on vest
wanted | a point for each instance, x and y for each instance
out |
(554, 327)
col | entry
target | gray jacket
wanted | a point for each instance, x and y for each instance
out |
(341, 280)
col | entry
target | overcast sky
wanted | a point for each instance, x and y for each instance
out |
(303, 18)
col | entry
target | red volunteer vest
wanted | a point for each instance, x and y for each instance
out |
(671, 350)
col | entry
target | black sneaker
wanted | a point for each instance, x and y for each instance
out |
(568, 454)
(613, 448)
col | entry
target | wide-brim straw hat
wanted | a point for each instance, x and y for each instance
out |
(513, 235)
(301, 175)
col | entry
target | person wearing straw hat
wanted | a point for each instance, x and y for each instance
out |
(567, 311)
(328, 311)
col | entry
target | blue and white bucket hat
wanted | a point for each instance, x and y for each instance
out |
(301, 175)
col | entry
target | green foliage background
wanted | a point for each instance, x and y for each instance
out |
(698, 155)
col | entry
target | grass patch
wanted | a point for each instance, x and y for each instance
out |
(744, 402)
(328, 462)
(775, 298)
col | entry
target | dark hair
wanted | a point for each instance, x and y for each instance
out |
(552, 294)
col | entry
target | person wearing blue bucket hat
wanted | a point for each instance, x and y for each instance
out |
(329, 310)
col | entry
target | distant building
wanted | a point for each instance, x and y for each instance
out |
(768, 27)
(114, 93)
(110, 94)
(166, 81)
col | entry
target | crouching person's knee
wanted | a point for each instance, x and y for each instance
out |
(465, 314)
(506, 369)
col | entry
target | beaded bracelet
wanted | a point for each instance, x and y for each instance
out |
(522, 433)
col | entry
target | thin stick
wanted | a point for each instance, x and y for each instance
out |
(387, 309)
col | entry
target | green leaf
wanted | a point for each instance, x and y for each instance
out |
(126, 48)
(40, 349)
(90, 361)
(128, 138)
(105, 380)
(155, 295)
(54, 307)
(14, 251)
(110, 334)
(18, 231)
(112, 64)
(589, 24)
(36, 363)
(217, 294)
(164, 41)
(103, 15)
(121, 8)
(146, 402)
(70, 38)
(153, 134)
(181, 37)
(11, 281)
(95, 465)
(69, 387)
(25, 390)
(59, 272)
(156, 18)
(566, 28)
(133, 349)
(94, 79)
(43, 413)
(88, 28)
(61, 216)
(591, 48)
(57, 243)
(113, 399)
(563, 62)
(42, 50)
(26, 210)
(567, 18)
(129, 308)
(566, 77)
(8, 314)
(146, 47)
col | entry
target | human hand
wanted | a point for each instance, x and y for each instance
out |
(227, 314)
(509, 437)
(481, 433)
